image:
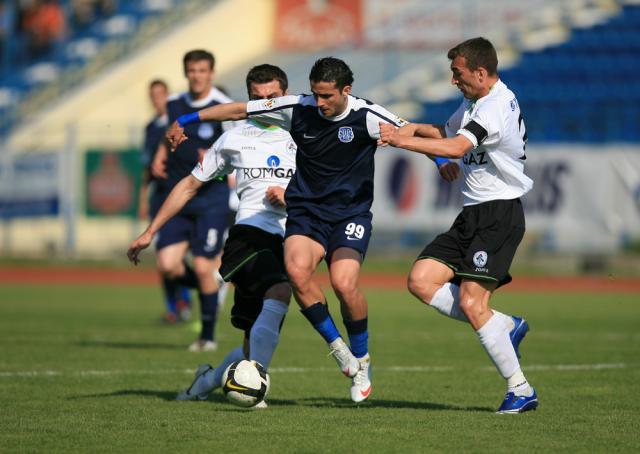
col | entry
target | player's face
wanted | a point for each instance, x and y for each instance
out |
(158, 95)
(331, 101)
(200, 76)
(267, 90)
(467, 80)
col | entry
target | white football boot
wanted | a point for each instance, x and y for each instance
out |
(202, 345)
(200, 388)
(347, 363)
(361, 386)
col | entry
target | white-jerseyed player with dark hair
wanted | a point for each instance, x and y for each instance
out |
(263, 157)
(459, 270)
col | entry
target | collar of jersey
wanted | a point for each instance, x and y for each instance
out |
(263, 126)
(343, 114)
(498, 85)
(199, 103)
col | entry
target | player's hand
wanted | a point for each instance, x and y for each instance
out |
(275, 196)
(388, 134)
(449, 171)
(175, 135)
(138, 245)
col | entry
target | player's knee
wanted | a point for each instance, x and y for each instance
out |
(280, 291)
(346, 287)
(420, 287)
(170, 269)
(204, 272)
(299, 275)
(470, 306)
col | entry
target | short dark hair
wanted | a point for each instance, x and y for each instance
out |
(330, 69)
(160, 82)
(198, 55)
(261, 74)
(477, 52)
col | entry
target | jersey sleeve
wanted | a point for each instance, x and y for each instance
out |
(275, 111)
(484, 126)
(454, 122)
(215, 162)
(377, 114)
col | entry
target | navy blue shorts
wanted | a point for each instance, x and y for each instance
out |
(204, 231)
(353, 232)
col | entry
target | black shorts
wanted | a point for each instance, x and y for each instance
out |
(481, 242)
(253, 260)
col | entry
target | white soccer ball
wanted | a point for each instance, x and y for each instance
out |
(245, 383)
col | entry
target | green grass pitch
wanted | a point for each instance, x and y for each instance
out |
(91, 369)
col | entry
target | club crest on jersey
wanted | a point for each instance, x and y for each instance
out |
(273, 161)
(345, 134)
(269, 103)
(205, 131)
(480, 260)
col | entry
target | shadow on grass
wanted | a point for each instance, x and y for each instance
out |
(315, 402)
(328, 402)
(130, 345)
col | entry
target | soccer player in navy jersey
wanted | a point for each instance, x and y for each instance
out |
(176, 297)
(200, 225)
(328, 199)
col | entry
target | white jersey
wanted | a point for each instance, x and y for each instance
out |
(494, 168)
(262, 156)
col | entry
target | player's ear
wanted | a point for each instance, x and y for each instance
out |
(346, 90)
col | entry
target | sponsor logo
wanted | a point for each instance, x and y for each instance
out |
(269, 103)
(480, 260)
(248, 147)
(345, 134)
(267, 172)
(273, 161)
(292, 147)
(205, 131)
(307, 136)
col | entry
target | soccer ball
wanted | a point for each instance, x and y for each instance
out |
(245, 383)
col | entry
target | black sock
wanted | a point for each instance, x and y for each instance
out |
(189, 278)
(208, 314)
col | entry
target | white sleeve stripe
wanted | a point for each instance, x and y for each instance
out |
(388, 120)
(275, 109)
(469, 136)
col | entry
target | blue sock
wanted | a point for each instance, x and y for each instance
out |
(169, 286)
(184, 295)
(319, 316)
(358, 336)
(208, 314)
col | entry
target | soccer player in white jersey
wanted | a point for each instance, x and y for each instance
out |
(459, 270)
(263, 157)
(328, 200)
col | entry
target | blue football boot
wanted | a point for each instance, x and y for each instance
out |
(513, 404)
(518, 332)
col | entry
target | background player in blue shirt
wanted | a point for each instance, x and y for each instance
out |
(176, 297)
(328, 199)
(200, 225)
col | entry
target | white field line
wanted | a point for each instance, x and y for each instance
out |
(304, 370)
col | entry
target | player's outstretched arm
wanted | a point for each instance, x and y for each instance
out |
(453, 147)
(177, 199)
(221, 112)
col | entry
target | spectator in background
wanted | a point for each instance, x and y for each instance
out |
(44, 24)
(86, 12)
(177, 298)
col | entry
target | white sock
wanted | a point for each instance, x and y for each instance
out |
(232, 356)
(506, 319)
(265, 332)
(519, 385)
(494, 337)
(447, 301)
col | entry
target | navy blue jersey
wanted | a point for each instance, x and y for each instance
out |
(153, 135)
(335, 159)
(187, 155)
